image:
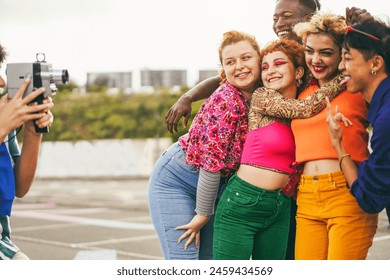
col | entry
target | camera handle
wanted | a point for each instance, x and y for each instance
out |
(39, 99)
(37, 82)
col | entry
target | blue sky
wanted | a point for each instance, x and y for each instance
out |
(124, 35)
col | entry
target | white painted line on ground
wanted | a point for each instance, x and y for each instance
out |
(72, 245)
(18, 206)
(138, 218)
(103, 254)
(83, 221)
(80, 211)
(120, 240)
(381, 238)
(43, 227)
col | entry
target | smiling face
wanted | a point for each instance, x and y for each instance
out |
(288, 13)
(279, 73)
(241, 64)
(357, 72)
(322, 56)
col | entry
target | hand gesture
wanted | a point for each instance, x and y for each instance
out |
(354, 15)
(193, 230)
(182, 108)
(16, 112)
(334, 121)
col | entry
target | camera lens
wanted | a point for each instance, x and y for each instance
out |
(65, 76)
(60, 76)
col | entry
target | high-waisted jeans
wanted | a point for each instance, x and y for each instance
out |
(251, 222)
(172, 199)
(330, 223)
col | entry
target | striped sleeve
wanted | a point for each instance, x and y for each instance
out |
(208, 185)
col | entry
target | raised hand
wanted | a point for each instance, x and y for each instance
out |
(181, 109)
(334, 121)
(354, 15)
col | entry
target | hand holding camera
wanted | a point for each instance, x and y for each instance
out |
(47, 120)
(42, 76)
(19, 110)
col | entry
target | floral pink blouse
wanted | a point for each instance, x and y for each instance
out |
(216, 137)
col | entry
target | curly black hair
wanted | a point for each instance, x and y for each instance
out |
(369, 47)
(311, 5)
(3, 54)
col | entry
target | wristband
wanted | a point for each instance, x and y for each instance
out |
(341, 160)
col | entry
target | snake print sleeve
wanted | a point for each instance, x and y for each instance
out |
(271, 103)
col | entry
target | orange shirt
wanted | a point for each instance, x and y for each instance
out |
(311, 135)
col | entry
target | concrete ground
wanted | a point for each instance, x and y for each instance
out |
(103, 219)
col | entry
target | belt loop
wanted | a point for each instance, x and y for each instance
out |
(332, 181)
(330, 177)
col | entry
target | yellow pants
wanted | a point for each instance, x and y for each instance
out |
(330, 223)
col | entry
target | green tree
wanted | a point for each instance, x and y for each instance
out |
(96, 115)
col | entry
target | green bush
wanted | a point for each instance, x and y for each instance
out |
(96, 115)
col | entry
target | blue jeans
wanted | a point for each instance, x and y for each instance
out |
(172, 199)
(251, 222)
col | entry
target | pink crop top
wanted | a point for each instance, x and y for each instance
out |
(270, 147)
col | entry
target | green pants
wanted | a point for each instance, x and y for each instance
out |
(250, 223)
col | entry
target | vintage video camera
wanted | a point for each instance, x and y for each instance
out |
(42, 75)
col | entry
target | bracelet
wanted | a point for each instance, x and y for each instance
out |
(341, 159)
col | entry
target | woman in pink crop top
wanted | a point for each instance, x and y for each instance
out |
(330, 223)
(188, 176)
(252, 216)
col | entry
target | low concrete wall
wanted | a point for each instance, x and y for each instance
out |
(99, 158)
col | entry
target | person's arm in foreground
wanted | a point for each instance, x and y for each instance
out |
(182, 108)
(26, 164)
(346, 163)
(225, 118)
(271, 103)
(14, 114)
(206, 194)
(369, 182)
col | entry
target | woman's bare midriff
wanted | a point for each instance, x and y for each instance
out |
(321, 166)
(262, 178)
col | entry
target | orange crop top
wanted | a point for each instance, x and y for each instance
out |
(312, 137)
